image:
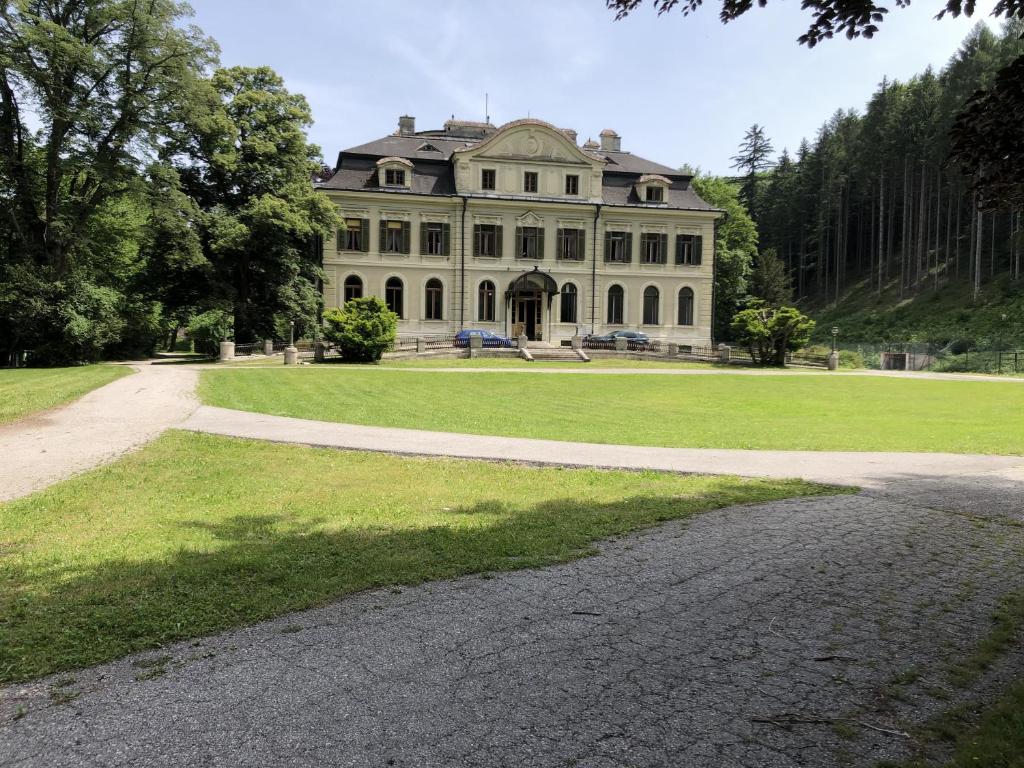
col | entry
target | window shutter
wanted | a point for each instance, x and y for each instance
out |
(540, 242)
(698, 249)
(446, 239)
(679, 249)
(341, 239)
(423, 237)
(607, 245)
(629, 247)
(581, 241)
(364, 234)
(519, 242)
(559, 239)
(406, 236)
(498, 251)
(663, 249)
(383, 230)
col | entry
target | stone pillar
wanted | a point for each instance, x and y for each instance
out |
(621, 344)
(576, 342)
(833, 361)
(673, 350)
(476, 343)
(421, 345)
(227, 350)
(522, 341)
(291, 356)
(724, 353)
(319, 350)
(268, 347)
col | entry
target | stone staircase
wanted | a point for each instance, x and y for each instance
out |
(547, 353)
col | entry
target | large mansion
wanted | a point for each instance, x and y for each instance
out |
(517, 230)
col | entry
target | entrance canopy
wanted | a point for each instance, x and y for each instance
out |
(532, 282)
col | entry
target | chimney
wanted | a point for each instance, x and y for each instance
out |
(406, 125)
(610, 141)
(570, 133)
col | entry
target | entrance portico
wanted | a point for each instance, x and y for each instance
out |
(528, 302)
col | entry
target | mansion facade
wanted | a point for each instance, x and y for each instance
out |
(519, 230)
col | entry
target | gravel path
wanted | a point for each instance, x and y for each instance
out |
(810, 632)
(705, 644)
(912, 474)
(95, 429)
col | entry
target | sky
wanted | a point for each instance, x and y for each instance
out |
(679, 90)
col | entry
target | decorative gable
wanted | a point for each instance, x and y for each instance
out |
(529, 219)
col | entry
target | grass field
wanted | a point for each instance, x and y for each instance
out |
(515, 362)
(196, 533)
(27, 390)
(850, 413)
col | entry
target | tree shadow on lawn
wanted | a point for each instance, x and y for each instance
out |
(70, 616)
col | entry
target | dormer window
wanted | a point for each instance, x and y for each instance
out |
(572, 184)
(394, 172)
(530, 181)
(651, 188)
(488, 178)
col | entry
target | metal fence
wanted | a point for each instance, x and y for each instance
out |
(439, 341)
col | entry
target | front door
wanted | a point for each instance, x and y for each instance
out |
(528, 309)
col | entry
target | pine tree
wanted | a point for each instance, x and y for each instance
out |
(753, 158)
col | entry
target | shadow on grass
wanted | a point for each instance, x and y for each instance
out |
(263, 565)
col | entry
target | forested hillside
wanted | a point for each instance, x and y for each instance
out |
(876, 224)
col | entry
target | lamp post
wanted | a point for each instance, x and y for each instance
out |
(291, 354)
(833, 359)
(835, 333)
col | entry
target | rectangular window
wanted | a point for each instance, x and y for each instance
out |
(394, 237)
(352, 237)
(572, 185)
(688, 249)
(435, 240)
(394, 177)
(529, 243)
(530, 181)
(652, 248)
(570, 244)
(488, 178)
(655, 194)
(617, 247)
(487, 240)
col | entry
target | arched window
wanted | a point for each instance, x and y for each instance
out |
(616, 301)
(685, 306)
(353, 288)
(393, 296)
(569, 296)
(435, 300)
(485, 302)
(651, 301)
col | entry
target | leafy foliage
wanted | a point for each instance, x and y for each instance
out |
(988, 140)
(769, 281)
(102, 80)
(735, 248)
(364, 329)
(208, 329)
(770, 332)
(852, 18)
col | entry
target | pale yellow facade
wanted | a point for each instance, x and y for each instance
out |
(509, 154)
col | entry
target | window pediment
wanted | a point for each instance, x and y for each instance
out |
(529, 219)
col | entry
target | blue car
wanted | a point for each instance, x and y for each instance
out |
(490, 339)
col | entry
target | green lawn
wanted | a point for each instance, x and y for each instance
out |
(854, 413)
(27, 390)
(196, 533)
(515, 362)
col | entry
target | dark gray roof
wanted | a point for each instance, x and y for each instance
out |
(625, 162)
(432, 171)
(409, 147)
(621, 190)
